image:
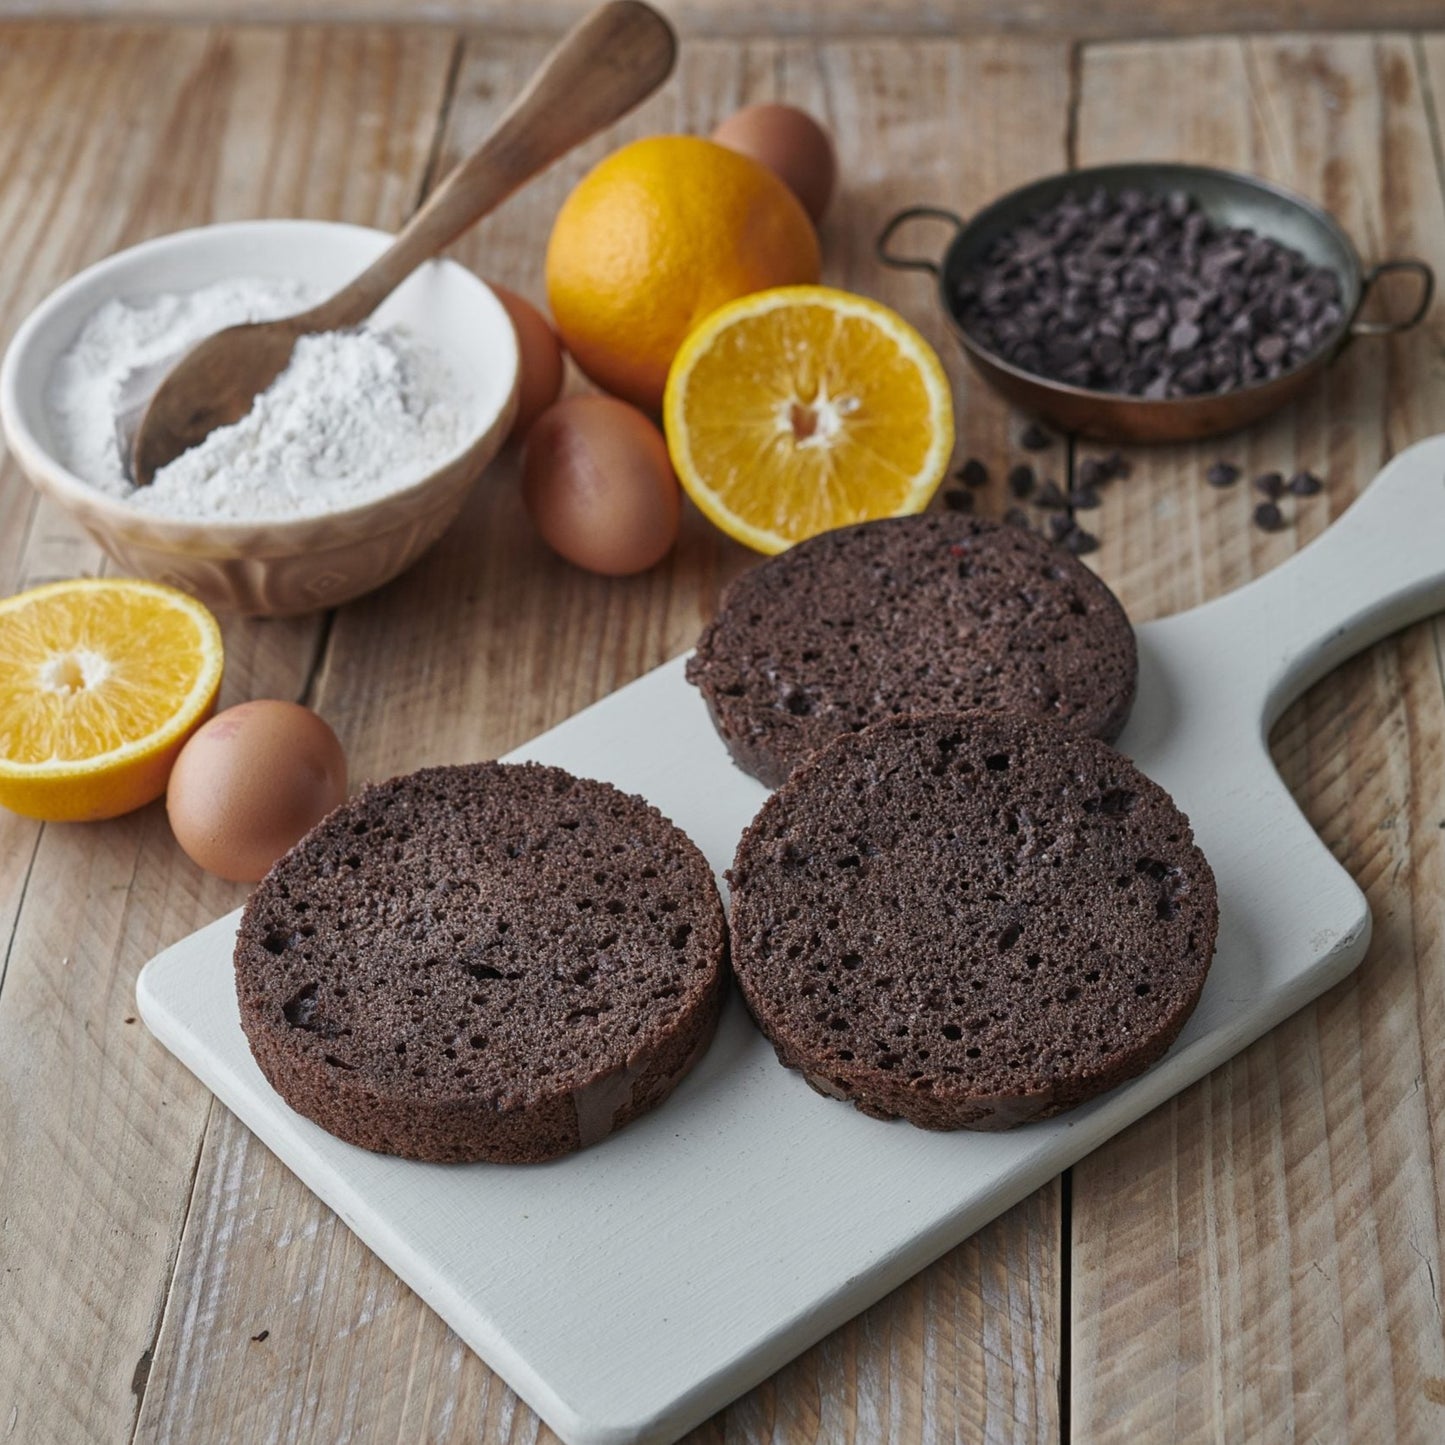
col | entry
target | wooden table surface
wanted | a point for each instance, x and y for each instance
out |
(1261, 1259)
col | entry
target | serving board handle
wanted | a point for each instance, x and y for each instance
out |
(1379, 567)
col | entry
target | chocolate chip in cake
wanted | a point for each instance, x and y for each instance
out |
(1084, 499)
(1222, 474)
(1034, 438)
(1080, 542)
(1017, 517)
(1305, 484)
(1021, 480)
(488, 962)
(1013, 922)
(958, 500)
(933, 613)
(1270, 484)
(1268, 517)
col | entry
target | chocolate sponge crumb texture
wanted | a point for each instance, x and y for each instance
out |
(970, 921)
(942, 612)
(489, 962)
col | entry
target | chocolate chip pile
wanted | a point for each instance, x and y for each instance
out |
(1058, 505)
(1145, 295)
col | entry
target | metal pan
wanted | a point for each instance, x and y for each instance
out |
(1227, 196)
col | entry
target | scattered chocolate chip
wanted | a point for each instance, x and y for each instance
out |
(957, 500)
(1050, 497)
(1060, 525)
(1118, 466)
(1035, 439)
(261, 1338)
(1016, 517)
(130, 1018)
(1222, 474)
(1269, 517)
(1269, 484)
(1021, 480)
(1145, 295)
(1080, 542)
(973, 473)
(1093, 472)
(1083, 499)
(1305, 484)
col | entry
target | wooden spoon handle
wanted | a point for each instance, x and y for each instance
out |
(610, 61)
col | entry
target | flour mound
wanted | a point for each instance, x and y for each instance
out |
(357, 414)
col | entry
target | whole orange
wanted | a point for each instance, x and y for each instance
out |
(655, 238)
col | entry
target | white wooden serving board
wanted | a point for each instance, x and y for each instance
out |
(631, 1290)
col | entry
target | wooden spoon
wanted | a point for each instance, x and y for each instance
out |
(607, 63)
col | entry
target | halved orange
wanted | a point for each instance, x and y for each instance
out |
(101, 682)
(800, 409)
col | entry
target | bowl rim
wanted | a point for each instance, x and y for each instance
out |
(227, 533)
(1121, 171)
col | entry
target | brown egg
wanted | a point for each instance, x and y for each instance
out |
(250, 782)
(541, 360)
(791, 144)
(598, 483)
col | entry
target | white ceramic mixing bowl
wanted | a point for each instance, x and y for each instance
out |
(280, 566)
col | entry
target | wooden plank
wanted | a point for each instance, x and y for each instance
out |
(489, 641)
(1098, 20)
(144, 131)
(1258, 1259)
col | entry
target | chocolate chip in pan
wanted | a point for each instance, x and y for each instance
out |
(1131, 294)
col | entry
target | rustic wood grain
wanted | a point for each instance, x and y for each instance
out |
(123, 133)
(1097, 20)
(491, 640)
(1259, 1258)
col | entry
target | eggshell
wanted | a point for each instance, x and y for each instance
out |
(597, 482)
(248, 784)
(540, 353)
(791, 144)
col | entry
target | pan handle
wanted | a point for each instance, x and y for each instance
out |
(1388, 328)
(912, 213)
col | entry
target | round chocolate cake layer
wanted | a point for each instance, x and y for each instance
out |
(496, 961)
(970, 921)
(935, 613)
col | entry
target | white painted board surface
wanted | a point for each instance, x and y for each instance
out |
(629, 1291)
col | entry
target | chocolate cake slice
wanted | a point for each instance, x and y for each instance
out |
(497, 962)
(935, 613)
(970, 921)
